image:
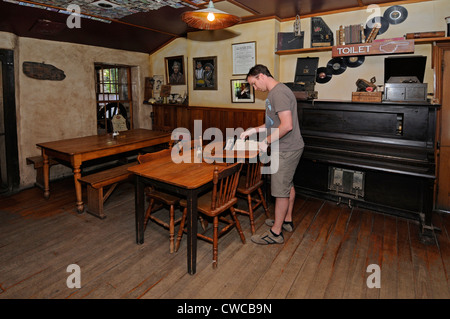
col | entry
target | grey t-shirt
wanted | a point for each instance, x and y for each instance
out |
(280, 99)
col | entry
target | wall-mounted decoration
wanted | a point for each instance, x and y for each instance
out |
(387, 46)
(242, 92)
(158, 81)
(205, 73)
(42, 71)
(395, 14)
(321, 34)
(244, 57)
(175, 74)
(289, 41)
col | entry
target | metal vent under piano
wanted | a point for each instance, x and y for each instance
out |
(347, 183)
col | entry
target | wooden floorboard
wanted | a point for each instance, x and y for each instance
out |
(325, 257)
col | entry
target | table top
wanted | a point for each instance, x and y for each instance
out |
(214, 152)
(186, 175)
(91, 143)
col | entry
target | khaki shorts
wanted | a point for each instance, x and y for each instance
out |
(282, 181)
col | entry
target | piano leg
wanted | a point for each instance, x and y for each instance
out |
(427, 228)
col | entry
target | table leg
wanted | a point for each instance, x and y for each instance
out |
(46, 173)
(78, 191)
(192, 231)
(139, 201)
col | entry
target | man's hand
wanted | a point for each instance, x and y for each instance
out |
(263, 146)
(247, 133)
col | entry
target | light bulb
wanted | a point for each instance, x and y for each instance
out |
(211, 16)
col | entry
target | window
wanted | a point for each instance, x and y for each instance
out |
(113, 94)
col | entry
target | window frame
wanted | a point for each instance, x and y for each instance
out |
(115, 84)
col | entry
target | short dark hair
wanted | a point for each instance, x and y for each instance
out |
(259, 69)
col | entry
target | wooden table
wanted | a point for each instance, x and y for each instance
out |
(186, 179)
(78, 150)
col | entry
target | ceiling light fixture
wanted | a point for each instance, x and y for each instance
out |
(209, 18)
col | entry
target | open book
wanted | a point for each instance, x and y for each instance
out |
(237, 144)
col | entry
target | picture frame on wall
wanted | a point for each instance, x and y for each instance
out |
(244, 57)
(158, 81)
(205, 73)
(175, 74)
(242, 92)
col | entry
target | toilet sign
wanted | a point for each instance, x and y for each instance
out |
(377, 47)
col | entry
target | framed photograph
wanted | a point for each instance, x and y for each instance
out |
(244, 57)
(205, 73)
(158, 81)
(242, 92)
(175, 70)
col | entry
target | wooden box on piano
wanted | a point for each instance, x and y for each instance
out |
(366, 96)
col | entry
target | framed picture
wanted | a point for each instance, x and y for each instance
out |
(175, 70)
(205, 73)
(158, 81)
(244, 57)
(242, 92)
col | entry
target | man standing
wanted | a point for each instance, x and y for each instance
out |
(281, 126)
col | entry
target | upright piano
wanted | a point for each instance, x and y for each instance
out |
(379, 156)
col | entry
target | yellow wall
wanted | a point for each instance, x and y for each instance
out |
(218, 43)
(425, 16)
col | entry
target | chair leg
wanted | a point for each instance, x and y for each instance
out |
(181, 229)
(263, 200)
(250, 213)
(215, 240)
(238, 225)
(171, 228)
(148, 212)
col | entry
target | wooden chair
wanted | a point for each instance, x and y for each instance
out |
(220, 199)
(158, 199)
(248, 185)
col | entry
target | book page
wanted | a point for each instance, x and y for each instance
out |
(245, 145)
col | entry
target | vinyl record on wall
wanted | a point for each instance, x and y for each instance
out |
(369, 25)
(354, 61)
(395, 14)
(324, 75)
(337, 65)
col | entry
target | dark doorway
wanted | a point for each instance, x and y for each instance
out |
(9, 159)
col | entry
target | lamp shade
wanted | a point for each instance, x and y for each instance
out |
(209, 18)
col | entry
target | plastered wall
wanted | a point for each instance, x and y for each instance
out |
(51, 110)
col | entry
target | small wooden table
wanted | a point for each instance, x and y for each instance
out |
(186, 179)
(78, 150)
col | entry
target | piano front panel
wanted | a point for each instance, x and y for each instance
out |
(392, 144)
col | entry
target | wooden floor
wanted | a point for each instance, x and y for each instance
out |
(326, 256)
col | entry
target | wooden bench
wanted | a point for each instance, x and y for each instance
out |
(97, 182)
(38, 162)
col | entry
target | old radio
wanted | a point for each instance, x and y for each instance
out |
(304, 83)
(404, 79)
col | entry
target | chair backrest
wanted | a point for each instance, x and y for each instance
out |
(144, 158)
(253, 174)
(225, 183)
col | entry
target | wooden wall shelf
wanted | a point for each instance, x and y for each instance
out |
(324, 49)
